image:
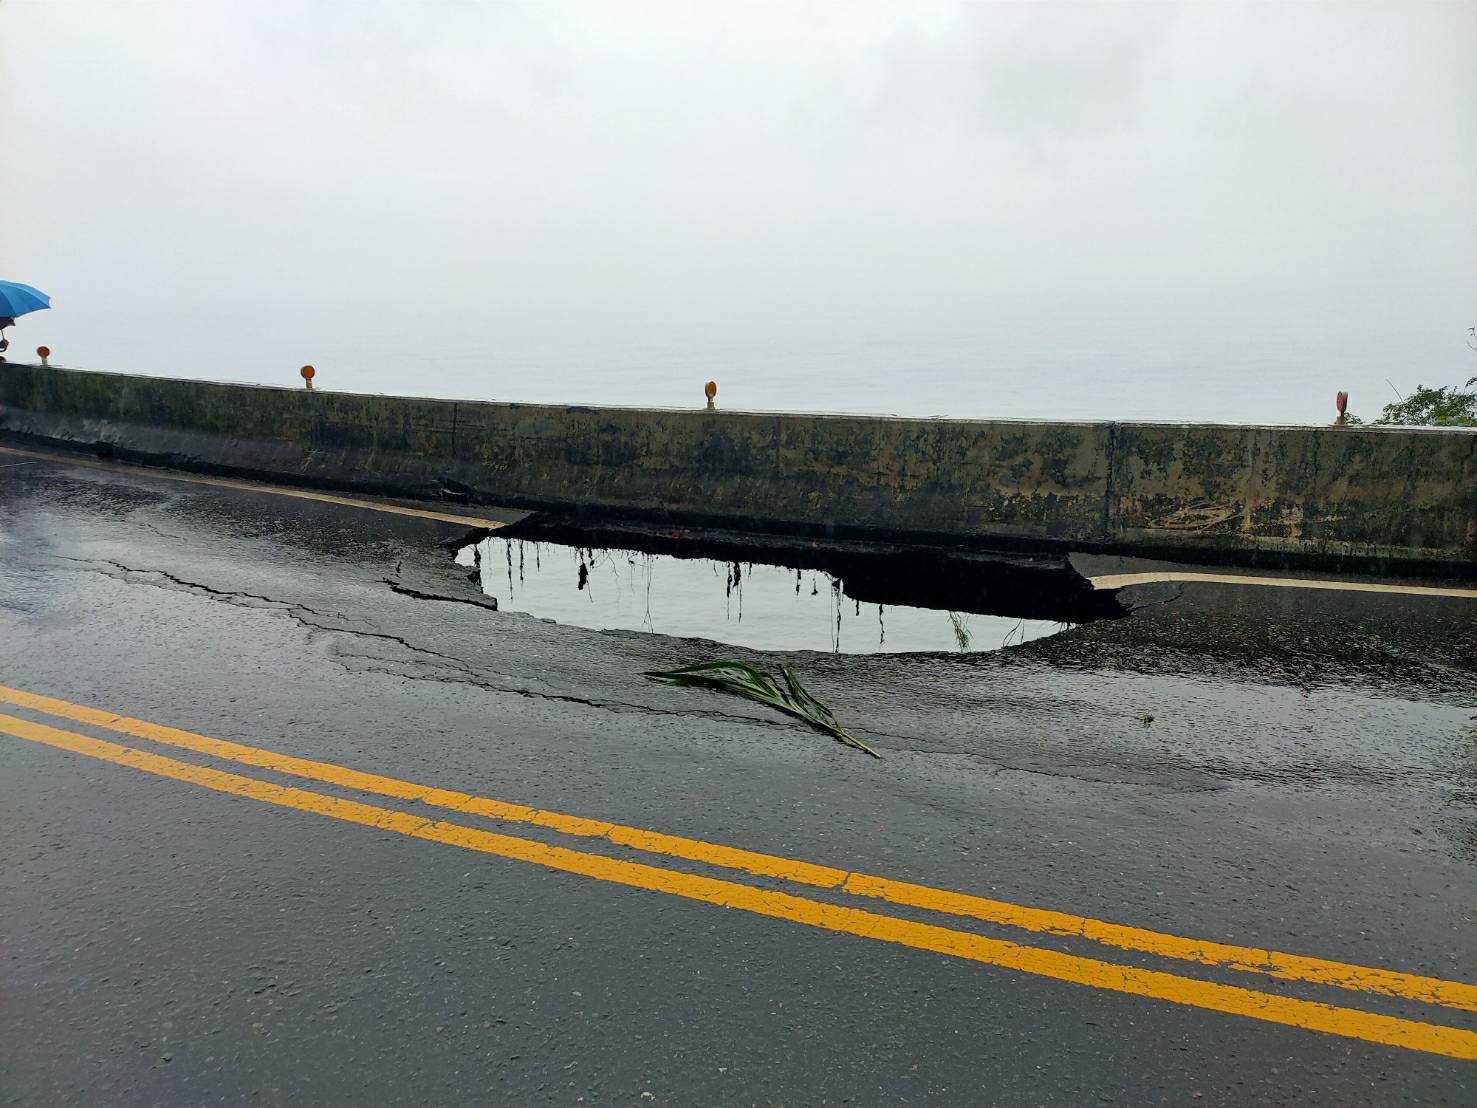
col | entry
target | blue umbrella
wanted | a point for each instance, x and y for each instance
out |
(18, 299)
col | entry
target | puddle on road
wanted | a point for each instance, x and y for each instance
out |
(763, 606)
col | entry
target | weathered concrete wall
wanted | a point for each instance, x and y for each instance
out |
(1397, 499)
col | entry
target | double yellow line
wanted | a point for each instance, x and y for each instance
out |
(1042, 961)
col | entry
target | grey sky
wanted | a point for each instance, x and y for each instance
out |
(445, 172)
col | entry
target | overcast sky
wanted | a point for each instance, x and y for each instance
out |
(545, 172)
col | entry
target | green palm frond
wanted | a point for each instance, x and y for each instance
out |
(753, 684)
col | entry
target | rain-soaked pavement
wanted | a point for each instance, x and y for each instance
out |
(1273, 768)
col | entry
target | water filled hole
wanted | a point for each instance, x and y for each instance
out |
(869, 603)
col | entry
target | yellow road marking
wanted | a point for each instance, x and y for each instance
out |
(763, 865)
(1119, 580)
(1292, 967)
(1153, 984)
(253, 486)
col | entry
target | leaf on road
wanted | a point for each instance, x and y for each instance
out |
(746, 681)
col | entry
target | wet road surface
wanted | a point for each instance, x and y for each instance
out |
(1267, 769)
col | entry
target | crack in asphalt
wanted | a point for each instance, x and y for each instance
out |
(447, 669)
(469, 677)
(294, 611)
(490, 603)
(227, 595)
(157, 530)
(1147, 604)
(455, 671)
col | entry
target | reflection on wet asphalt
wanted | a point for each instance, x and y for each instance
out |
(767, 607)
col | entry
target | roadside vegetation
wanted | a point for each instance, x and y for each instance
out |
(1448, 406)
(1444, 407)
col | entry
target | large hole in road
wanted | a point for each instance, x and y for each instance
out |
(778, 592)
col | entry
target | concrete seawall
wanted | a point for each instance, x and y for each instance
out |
(1385, 499)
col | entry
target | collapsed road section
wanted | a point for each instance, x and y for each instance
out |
(778, 592)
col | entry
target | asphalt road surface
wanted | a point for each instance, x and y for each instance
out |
(287, 815)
